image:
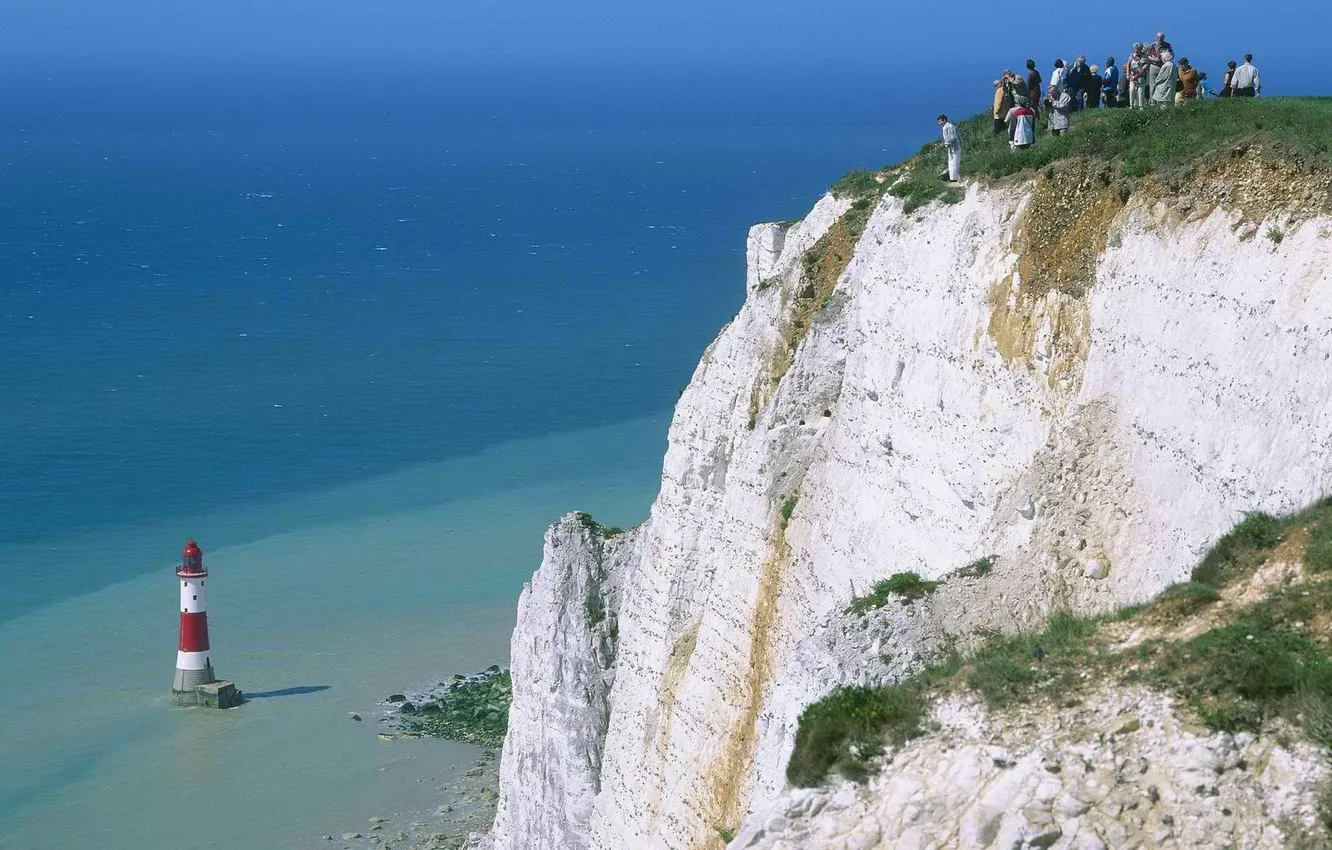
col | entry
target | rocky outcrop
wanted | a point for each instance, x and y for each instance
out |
(563, 669)
(1122, 769)
(1091, 416)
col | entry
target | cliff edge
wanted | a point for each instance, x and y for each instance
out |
(1081, 381)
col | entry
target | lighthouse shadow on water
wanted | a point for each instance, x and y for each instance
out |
(196, 684)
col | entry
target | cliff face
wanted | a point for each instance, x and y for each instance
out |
(1121, 770)
(1088, 389)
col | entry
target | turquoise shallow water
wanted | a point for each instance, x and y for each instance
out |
(364, 333)
(362, 602)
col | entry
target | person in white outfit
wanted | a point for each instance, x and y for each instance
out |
(953, 146)
(1244, 81)
(1022, 122)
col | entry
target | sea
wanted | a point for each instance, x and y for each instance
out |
(363, 332)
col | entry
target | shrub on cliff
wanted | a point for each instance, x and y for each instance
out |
(849, 726)
(909, 586)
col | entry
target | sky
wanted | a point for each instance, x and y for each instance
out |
(907, 40)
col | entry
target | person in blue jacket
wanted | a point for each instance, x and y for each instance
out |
(1110, 83)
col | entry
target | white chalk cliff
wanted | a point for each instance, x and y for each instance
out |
(1093, 405)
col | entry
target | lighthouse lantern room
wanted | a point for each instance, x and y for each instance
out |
(195, 682)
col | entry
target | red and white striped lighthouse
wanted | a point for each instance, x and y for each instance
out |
(194, 665)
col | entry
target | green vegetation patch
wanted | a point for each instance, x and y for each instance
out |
(597, 528)
(979, 567)
(909, 586)
(1318, 555)
(475, 710)
(822, 266)
(1241, 550)
(1006, 668)
(1169, 144)
(919, 187)
(1154, 141)
(788, 508)
(1265, 661)
(849, 726)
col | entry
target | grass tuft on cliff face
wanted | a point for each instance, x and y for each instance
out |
(1251, 664)
(848, 727)
(909, 586)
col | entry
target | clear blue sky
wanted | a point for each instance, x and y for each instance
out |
(902, 38)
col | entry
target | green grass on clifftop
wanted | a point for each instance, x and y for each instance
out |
(1137, 142)
(1146, 141)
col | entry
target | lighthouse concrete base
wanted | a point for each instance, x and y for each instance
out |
(212, 695)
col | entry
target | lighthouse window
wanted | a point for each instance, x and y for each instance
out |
(196, 597)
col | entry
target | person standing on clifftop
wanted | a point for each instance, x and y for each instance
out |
(953, 147)
(1227, 90)
(1057, 75)
(1075, 81)
(1034, 86)
(1244, 82)
(1155, 59)
(1022, 123)
(1163, 86)
(1110, 83)
(1003, 101)
(1188, 81)
(1137, 77)
(1060, 106)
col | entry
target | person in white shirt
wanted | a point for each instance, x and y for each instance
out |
(1058, 74)
(953, 145)
(1022, 123)
(1244, 81)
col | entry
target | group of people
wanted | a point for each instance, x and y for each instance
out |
(1150, 77)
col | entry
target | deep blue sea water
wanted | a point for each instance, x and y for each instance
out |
(364, 333)
(217, 289)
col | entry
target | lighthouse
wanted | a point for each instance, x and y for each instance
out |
(195, 682)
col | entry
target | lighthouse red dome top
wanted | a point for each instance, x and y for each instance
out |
(191, 562)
